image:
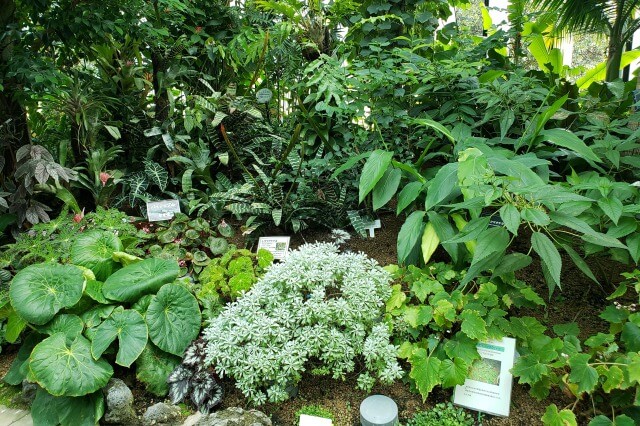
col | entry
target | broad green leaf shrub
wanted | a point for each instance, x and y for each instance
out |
(437, 320)
(319, 311)
(452, 209)
(227, 277)
(76, 321)
(442, 415)
(605, 368)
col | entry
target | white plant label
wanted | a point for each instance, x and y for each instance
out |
(278, 246)
(162, 210)
(371, 227)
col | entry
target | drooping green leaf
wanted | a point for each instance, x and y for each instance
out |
(173, 318)
(633, 245)
(442, 185)
(153, 367)
(507, 118)
(68, 370)
(145, 277)
(386, 187)
(39, 291)
(94, 250)
(511, 263)
(430, 242)
(553, 417)
(511, 217)
(580, 263)
(349, 164)
(14, 327)
(408, 195)
(435, 125)
(549, 254)
(612, 207)
(372, 172)
(130, 329)
(49, 410)
(425, 370)
(566, 139)
(409, 234)
(535, 216)
(444, 231)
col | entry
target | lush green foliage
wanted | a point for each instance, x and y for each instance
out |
(438, 320)
(316, 312)
(442, 414)
(76, 320)
(315, 410)
(229, 276)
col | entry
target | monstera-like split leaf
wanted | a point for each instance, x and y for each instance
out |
(68, 370)
(49, 410)
(38, 292)
(130, 329)
(173, 318)
(94, 250)
(145, 277)
(70, 325)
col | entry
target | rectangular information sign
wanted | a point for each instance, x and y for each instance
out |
(162, 210)
(278, 246)
(488, 386)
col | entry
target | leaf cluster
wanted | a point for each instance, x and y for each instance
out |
(74, 320)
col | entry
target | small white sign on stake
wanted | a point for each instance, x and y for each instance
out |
(162, 210)
(488, 385)
(306, 420)
(264, 95)
(372, 226)
(278, 246)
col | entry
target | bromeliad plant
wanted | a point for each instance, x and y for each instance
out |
(74, 314)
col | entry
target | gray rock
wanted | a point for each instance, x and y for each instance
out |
(119, 409)
(234, 416)
(162, 414)
(29, 392)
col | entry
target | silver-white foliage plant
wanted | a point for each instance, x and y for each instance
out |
(319, 310)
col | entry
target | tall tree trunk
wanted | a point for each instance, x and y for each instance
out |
(614, 58)
(13, 119)
(160, 97)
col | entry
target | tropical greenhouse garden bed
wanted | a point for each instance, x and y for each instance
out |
(147, 145)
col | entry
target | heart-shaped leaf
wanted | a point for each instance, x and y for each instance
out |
(145, 277)
(38, 292)
(130, 329)
(68, 370)
(94, 250)
(173, 318)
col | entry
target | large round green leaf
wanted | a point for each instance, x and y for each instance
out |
(70, 325)
(135, 280)
(173, 318)
(48, 410)
(94, 250)
(38, 292)
(153, 367)
(68, 370)
(130, 329)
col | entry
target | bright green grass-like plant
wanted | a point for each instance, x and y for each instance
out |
(315, 410)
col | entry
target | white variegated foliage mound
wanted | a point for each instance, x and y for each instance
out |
(320, 311)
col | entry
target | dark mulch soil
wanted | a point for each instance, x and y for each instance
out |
(580, 300)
